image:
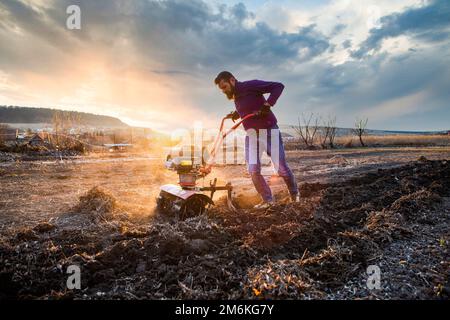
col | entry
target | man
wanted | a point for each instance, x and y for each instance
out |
(262, 130)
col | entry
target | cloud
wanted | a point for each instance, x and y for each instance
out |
(199, 37)
(347, 44)
(171, 34)
(338, 29)
(430, 23)
(384, 87)
(148, 60)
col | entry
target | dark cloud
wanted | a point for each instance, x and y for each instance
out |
(30, 21)
(338, 29)
(240, 13)
(179, 39)
(178, 34)
(361, 87)
(208, 39)
(428, 23)
(347, 44)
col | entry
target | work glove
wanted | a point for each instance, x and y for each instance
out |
(264, 111)
(233, 115)
(205, 170)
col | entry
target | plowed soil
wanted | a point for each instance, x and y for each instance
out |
(394, 216)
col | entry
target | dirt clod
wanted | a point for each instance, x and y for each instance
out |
(44, 227)
(97, 202)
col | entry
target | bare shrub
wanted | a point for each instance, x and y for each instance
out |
(360, 129)
(307, 129)
(327, 132)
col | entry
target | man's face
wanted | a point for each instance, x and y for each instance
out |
(227, 87)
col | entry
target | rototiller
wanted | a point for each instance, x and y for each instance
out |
(187, 199)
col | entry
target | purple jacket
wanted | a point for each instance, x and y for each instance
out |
(249, 98)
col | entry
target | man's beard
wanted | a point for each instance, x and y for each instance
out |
(230, 94)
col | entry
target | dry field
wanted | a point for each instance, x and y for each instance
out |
(401, 140)
(374, 206)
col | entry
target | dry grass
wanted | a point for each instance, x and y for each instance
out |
(403, 140)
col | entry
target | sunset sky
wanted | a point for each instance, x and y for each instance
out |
(152, 63)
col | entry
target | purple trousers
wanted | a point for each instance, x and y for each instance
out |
(258, 141)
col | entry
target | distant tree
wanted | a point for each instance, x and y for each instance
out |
(3, 131)
(332, 130)
(360, 129)
(307, 129)
(76, 121)
(327, 132)
(57, 124)
(67, 122)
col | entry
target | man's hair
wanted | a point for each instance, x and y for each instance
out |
(224, 75)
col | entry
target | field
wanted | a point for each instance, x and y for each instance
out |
(400, 140)
(387, 207)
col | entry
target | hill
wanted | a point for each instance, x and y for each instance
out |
(27, 115)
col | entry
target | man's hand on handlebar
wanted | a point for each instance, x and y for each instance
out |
(265, 110)
(233, 115)
(205, 170)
